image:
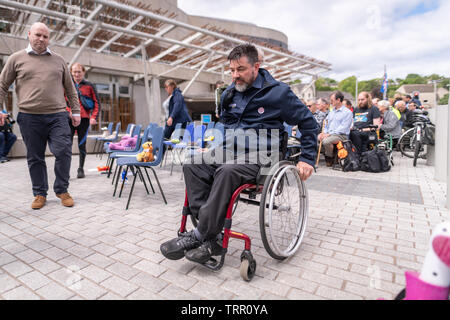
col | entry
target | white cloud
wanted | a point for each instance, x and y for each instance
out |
(356, 37)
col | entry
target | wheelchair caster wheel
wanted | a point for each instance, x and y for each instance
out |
(248, 268)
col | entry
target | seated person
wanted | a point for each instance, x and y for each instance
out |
(364, 116)
(337, 126)
(319, 115)
(254, 101)
(403, 110)
(348, 104)
(409, 123)
(7, 137)
(389, 123)
(322, 112)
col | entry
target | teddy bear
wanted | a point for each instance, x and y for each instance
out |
(147, 154)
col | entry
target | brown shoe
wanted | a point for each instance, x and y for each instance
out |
(38, 202)
(329, 161)
(66, 199)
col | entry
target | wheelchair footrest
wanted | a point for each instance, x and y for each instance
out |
(215, 265)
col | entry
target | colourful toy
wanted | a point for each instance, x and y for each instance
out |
(147, 154)
(101, 169)
(433, 282)
(126, 143)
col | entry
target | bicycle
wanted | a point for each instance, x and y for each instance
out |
(413, 142)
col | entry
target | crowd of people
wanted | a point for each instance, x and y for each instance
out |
(340, 121)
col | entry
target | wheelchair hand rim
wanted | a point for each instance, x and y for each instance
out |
(296, 240)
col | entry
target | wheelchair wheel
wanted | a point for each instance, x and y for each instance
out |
(283, 211)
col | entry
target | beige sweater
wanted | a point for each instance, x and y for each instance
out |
(41, 81)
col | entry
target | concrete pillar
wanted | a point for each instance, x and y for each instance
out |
(431, 152)
(441, 145)
(155, 111)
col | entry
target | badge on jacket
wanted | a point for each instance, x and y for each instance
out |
(261, 110)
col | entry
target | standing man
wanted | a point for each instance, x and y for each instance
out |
(337, 126)
(89, 106)
(41, 79)
(255, 101)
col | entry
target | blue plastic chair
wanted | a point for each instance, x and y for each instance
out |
(132, 163)
(177, 149)
(217, 132)
(134, 130)
(109, 130)
(146, 136)
(105, 140)
(168, 144)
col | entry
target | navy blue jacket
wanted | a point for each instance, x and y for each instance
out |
(177, 108)
(269, 108)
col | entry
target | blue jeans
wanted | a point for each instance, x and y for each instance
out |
(38, 130)
(7, 140)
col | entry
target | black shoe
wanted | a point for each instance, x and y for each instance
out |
(80, 174)
(174, 249)
(203, 253)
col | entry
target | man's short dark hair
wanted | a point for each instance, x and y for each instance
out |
(338, 96)
(408, 96)
(244, 50)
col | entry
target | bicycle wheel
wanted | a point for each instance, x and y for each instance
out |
(283, 212)
(405, 143)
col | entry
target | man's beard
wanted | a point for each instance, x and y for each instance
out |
(241, 87)
(363, 106)
(244, 86)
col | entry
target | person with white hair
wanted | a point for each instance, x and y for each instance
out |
(389, 123)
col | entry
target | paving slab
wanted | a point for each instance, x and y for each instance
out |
(364, 231)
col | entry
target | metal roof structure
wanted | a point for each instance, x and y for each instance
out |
(125, 30)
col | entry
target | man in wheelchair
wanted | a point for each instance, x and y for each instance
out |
(365, 115)
(253, 102)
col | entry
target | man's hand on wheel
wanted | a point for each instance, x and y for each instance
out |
(304, 170)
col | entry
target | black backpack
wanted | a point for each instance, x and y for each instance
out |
(375, 161)
(348, 157)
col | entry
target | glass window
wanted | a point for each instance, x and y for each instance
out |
(123, 90)
(102, 87)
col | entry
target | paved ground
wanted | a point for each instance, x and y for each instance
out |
(364, 231)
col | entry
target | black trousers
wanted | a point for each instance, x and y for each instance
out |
(169, 130)
(37, 130)
(360, 139)
(82, 133)
(209, 190)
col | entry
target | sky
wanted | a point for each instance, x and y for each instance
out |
(357, 37)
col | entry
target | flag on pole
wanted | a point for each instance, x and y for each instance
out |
(384, 86)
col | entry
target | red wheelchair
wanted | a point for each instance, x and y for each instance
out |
(282, 198)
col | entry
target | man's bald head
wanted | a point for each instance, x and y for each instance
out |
(39, 36)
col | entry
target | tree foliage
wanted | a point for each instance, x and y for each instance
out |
(374, 85)
(444, 100)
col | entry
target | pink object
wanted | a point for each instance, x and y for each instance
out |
(441, 246)
(126, 143)
(417, 289)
